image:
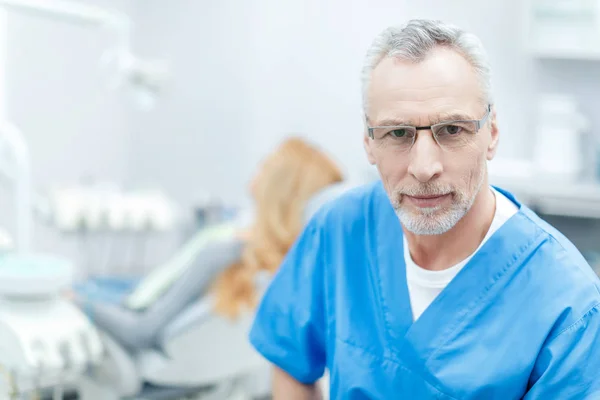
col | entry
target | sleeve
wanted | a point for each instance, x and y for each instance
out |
(289, 327)
(568, 366)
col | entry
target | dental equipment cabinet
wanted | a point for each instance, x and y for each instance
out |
(47, 344)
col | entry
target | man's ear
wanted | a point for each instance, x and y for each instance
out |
(368, 150)
(495, 137)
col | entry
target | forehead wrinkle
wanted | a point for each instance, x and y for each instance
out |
(432, 119)
(394, 122)
(450, 116)
(415, 107)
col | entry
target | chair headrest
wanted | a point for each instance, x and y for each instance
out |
(324, 196)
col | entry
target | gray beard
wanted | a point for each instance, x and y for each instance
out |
(436, 221)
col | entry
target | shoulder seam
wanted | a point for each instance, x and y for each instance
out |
(557, 242)
(575, 324)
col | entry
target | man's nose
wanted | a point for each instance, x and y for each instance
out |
(425, 157)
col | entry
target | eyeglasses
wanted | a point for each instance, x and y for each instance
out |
(448, 134)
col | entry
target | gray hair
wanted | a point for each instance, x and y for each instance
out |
(414, 40)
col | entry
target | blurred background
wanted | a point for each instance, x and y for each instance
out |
(243, 76)
(167, 133)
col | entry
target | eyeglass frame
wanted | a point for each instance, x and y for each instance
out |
(478, 124)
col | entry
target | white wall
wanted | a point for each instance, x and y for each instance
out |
(203, 122)
(249, 75)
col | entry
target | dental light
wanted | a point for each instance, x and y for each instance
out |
(144, 78)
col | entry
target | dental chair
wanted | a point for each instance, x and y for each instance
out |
(200, 353)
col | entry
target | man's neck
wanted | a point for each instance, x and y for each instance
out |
(438, 252)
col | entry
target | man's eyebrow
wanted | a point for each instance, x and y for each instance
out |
(432, 120)
(450, 117)
(392, 122)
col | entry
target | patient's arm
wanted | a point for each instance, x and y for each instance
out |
(287, 388)
(139, 329)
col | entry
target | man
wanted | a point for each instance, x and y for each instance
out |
(431, 283)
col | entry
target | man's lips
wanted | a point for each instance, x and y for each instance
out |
(427, 201)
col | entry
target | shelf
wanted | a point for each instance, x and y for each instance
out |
(559, 198)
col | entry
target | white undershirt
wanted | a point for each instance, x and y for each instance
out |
(424, 285)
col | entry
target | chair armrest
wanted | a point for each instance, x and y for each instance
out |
(193, 314)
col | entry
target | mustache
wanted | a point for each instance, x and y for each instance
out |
(427, 189)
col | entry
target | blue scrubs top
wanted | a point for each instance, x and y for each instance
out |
(521, 320)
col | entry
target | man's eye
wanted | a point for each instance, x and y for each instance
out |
(398, 133)
(452, 129)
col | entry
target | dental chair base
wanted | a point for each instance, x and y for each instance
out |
(46, 342)
(45, 345)
(200, 353)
